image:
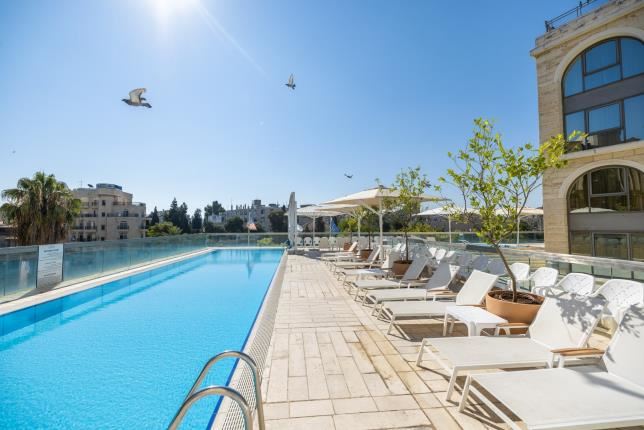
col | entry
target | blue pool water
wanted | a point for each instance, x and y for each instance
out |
(124, 355)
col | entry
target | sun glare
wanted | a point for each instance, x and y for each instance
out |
(166, 9)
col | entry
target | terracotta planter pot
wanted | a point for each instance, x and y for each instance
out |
(499, 302)
(400, 267)
(364, 253)
(346, 246)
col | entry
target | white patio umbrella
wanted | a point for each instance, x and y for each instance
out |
(317, 211)
(292, 221)
(375, 197)
(442, 211)
(350, 210)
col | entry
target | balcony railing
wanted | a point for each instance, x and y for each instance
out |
(571, 14)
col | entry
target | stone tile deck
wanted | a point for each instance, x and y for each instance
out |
(331, 366)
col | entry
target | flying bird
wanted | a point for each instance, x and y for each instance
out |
(348, 176)
(136, 99)
(291, 82)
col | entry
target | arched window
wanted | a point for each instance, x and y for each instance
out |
(606, 213)
(603, 91)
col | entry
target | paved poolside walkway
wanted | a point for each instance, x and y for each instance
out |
(330, 365)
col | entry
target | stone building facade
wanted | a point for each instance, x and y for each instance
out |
(107, 213)
(590, 74)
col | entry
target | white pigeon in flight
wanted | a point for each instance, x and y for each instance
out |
(291, 82)
(136, 99)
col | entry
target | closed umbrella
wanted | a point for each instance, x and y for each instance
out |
(292, 221)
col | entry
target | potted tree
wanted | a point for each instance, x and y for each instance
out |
(497, 182)
(368, 220)
(409, 186)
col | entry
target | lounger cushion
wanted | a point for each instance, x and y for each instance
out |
(491, 351)
(376, 283)
(399, 294)
(417, 309)
(567, 397)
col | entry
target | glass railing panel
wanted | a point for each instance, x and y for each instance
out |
(18, 269)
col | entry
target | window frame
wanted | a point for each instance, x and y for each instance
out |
(587, 177)
(582, 55)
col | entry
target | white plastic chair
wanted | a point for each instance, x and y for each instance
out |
(544, 277)
(581, 284)
(323, 243)
(298, 242)
(521, 271)
(316, 241)
(621, 294)
(308, 241)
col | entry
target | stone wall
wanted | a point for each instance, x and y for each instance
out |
(553, 52)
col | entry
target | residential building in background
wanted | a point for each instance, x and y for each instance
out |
(590, 75)
(107, 213)
(256, 210)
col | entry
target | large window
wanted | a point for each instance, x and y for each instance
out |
(603, 93)
(606, 208)
(602, 64)
(609, 189)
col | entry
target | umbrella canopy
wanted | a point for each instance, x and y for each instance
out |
(375, 197)
(317, 211)
(446, 211)
(292, 221)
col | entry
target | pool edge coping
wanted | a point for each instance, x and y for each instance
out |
(240, 379)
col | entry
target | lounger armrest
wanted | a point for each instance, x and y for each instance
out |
(577, 352)
(507, 327)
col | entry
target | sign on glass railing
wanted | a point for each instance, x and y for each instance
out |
(50, 265)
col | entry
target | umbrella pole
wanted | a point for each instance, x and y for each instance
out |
(313, 240)
(380, 222)
(518, 228)
(449, 227)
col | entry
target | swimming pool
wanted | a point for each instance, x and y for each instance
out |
(123, 355)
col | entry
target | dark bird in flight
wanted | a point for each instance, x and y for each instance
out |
(291, 82)
(136, 99)
(348, 176)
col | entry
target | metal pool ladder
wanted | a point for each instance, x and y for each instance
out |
(195, 394)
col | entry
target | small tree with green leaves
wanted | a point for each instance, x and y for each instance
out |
(499, 181)
(410, 185)
(163, 229)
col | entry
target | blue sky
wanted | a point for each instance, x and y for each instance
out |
(381, 85)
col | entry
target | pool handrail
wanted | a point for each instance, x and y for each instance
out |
(257, 381)
(213, 390)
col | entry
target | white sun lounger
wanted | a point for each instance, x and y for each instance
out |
(472, 293)
(435, 287)
(607, 395)
(371, 259)
(380, 271)
(412, 274)
(565, 322)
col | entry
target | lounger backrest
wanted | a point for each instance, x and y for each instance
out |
(577, 283)
(352, 248)
(464, 259)
(390, 258)
(432, 251)
(621, 294)
(480, 263)
(475, 288)
(449, 256)
(415, 268)
(375, 254)
(566, 321)
(544, 277)
(496, 267)
(440, 253)
(625, 351)
(443, 276)
(521, 271)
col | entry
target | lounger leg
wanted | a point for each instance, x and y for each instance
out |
(466, 393)
(419, 359)
(452, 383)
(445, 322)
(391, 324)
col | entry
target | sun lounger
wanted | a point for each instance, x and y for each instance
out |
(472, 293)
(412, 274)
(436, 286)
(607, 395)
(565, 322)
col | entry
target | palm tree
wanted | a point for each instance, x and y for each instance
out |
(41, 209)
